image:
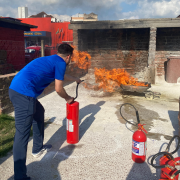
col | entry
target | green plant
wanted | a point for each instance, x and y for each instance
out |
(7, 132)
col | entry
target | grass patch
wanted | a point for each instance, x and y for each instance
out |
(7, 132)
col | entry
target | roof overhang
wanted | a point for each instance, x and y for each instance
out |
(7, 23)
(125, 24)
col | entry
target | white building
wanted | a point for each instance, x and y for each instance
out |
(22, 12)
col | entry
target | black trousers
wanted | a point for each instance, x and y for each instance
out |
(28, 112)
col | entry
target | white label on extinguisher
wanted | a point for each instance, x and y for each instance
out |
(139, 148)
(71, 126)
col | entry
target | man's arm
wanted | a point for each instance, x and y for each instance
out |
(61, 91)
(71, 78)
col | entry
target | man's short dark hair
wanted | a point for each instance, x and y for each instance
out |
(65, 49)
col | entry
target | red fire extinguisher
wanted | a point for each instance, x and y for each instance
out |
(139, 145)
(72, 120)
(167, 162)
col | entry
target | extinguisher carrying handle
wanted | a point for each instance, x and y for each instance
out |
(137, 115)
(158, 154)
(140, 126)
(170, 142)
(77, 89)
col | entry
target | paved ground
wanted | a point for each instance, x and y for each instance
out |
(104, 149)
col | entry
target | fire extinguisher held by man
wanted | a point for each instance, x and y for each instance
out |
(26, 86)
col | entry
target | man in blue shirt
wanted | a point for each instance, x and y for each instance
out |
(26, 86)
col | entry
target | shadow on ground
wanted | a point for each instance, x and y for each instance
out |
(141, 172)
(173, 115)
(47, 167)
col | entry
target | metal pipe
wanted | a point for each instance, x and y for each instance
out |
(42, 48)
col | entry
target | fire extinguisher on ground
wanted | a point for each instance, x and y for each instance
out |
(139, 144)
(72, 120)
(167, 162)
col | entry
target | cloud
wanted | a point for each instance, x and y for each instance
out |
(134, 17)
(155, 9)
(8, 12)
(62, 17)
(106, 9)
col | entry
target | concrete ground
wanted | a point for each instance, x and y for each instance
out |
(104, 150)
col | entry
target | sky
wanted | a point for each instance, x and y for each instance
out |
(105, 9)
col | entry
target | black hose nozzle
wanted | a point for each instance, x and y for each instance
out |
(77, 89)
(137, 115)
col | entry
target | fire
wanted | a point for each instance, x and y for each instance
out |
(81, 58)
(109, 80)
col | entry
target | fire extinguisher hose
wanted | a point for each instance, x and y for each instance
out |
(137, 115)
(167, 152)
(158, 154)
(170, 142)
(77, 89)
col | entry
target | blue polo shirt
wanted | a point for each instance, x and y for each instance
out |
(38, 74)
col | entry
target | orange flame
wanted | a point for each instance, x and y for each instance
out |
(81, 58)
(109, 80)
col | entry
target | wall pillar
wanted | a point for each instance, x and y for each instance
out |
(75, 38)
(151, 56)
(42, 48)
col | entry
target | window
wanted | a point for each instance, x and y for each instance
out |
(29, 50)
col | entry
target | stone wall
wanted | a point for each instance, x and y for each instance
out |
(168, 44)
(116, 48)
(164, 41)
(5, 103)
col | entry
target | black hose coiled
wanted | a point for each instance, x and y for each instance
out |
(166, 152)
(137, 115)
